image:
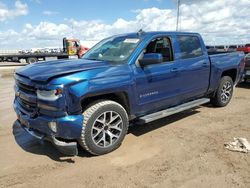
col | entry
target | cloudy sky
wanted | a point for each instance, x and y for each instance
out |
(26, 24)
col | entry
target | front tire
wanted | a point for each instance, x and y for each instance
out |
(104, 128)
(224, 92)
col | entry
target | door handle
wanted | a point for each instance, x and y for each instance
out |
(204, 64)
(174, 70)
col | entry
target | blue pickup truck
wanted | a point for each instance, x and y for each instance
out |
(137, 77)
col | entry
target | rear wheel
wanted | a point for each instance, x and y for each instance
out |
(104, 128)
(31, 60)
(224, 92)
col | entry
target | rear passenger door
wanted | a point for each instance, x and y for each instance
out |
(194, 67)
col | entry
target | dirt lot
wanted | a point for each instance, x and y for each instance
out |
(7, 68)
(183, 150)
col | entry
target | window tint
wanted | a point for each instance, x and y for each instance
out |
(160, 45)
(190, 46)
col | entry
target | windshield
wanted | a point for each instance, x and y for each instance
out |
(114, 49)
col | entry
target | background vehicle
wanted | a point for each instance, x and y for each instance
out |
(137, 77)
(71, 49)
(245, 49)
(211, 49)
(247, 67)
(232, 48)
(220, 48)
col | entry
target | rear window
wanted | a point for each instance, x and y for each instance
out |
(190, 46)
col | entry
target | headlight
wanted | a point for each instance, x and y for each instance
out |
(50, 95)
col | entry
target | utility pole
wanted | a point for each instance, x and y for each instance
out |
(178, 14)
(72, 31)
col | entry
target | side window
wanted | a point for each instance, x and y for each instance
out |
(190, 46)
(160, 45)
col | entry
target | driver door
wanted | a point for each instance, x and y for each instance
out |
(158, 85)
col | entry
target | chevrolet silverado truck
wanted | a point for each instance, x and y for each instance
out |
(125, 79)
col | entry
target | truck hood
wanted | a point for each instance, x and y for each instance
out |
(46, 71)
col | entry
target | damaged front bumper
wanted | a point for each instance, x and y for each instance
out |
(67, 148)
(68, 129)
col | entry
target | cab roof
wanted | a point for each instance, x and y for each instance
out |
(144, 34)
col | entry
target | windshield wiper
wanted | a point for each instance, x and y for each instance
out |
(90, 58)
(94, 59)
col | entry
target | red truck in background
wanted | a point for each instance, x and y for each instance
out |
(245, 49)
(74, 47)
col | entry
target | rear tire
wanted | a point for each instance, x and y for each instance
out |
(104, 128)
(224, 92)
(31, 60)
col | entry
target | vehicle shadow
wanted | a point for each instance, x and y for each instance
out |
(140, 129)
(38, 147)
(35, 146)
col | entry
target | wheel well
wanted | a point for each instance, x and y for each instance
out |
(119, 97)
(232, 73)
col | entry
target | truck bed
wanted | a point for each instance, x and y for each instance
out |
(38, 56)
(34, 55)
(225, 61)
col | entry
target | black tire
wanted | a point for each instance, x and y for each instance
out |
(224, 92)
(31, 60)
(101, 128)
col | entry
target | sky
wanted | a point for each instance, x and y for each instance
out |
(26, 24)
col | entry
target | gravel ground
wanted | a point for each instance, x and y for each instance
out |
(183, 150)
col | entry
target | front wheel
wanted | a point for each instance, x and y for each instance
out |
(224, 92)
(104, 128)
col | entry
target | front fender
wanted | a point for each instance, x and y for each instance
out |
(74, 96)
(97, 87)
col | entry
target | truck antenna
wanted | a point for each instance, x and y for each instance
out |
(140, 32)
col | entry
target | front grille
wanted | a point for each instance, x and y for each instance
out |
(28, 107)
(25, 88)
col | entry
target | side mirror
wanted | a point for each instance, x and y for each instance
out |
(151, 58)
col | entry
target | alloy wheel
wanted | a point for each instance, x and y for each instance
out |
(107, 129)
